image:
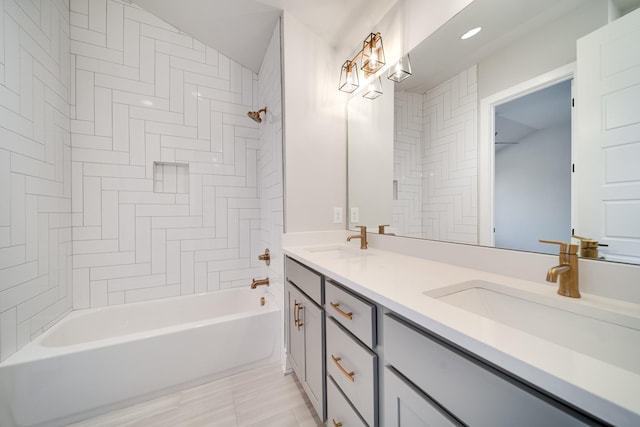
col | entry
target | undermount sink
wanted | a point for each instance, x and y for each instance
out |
(338, 251)
(599, 332)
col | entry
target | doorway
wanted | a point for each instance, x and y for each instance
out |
(532, 169)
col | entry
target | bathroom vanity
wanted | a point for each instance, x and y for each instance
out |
(305, 330)
(403, 345)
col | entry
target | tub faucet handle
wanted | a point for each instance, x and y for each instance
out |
(266, 257)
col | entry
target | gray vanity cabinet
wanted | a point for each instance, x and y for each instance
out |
(407, 406)
(352, 361)
(462, 387)
(305, 332)
(424, 380)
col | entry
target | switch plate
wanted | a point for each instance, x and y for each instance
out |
(337, 215)
(355, 215)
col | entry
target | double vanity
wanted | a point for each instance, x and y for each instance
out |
(378, 337)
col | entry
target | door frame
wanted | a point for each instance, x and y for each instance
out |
(486, 144)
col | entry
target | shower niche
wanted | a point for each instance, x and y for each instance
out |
(170, 178)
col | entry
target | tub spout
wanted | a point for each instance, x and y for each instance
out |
(259, 282)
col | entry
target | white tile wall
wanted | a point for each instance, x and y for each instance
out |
(35, 169)
(134, 91)
(450, 162)
(435, 161)
(407, 163)
(147, 92)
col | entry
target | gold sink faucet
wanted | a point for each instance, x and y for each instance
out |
(566, 273)
(362, 236)
(588, 247)
(381, 230)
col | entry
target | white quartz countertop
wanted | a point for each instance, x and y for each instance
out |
(398, 281)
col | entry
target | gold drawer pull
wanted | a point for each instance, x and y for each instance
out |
(349, 375)
(300, 324)
(295, 313)
(336, 307)
(335, 424)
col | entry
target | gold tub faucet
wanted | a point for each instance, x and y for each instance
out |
(362, 236)
(566, 273)
(259, 282)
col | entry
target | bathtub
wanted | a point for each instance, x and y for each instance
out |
(96, 360)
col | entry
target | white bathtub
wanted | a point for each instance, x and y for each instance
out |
(96, 360)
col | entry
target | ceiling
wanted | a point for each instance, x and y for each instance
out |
(242, 29)
(502, 22)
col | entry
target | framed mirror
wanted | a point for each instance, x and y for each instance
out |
(444, 184)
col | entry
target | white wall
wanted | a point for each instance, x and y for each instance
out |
(533, 191)
(270, 169)
(146, 92)
(35, 170)
(315, 131)
(315, 135)
(370, 153)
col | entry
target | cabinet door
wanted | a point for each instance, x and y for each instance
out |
(339, 410)
(473, 392)
(311, 318)
(354, 368)
(407, 406)
(295, 344)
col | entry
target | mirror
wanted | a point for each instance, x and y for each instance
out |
(440, 187)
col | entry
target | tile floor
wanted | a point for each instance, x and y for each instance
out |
(259, 397)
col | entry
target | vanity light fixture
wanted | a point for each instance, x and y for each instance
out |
(372, 54)
(372, 57)
(401, 70)
(348, 77)
(374, 88)
(471, 33)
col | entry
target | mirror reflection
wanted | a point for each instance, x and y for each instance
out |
(475, 159)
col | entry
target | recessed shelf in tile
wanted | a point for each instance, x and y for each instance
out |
(171, 177)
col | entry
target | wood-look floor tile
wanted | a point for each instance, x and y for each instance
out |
(259, 397)
(266, 402)
(212, 388)
(306, 416)
(131, 414)
(281, 419)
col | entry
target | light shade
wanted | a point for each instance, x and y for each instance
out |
(401, 70)
(348, 77)
(372, 54)
(373, 89)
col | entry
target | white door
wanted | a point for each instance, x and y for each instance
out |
(607, 144)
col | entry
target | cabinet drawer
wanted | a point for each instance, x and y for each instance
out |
(470, 390)
(307, 280)
(406, 406)
(354, 369)
(352, 312)
(339, 410)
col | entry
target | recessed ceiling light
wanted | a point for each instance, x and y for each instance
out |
(471, 33)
